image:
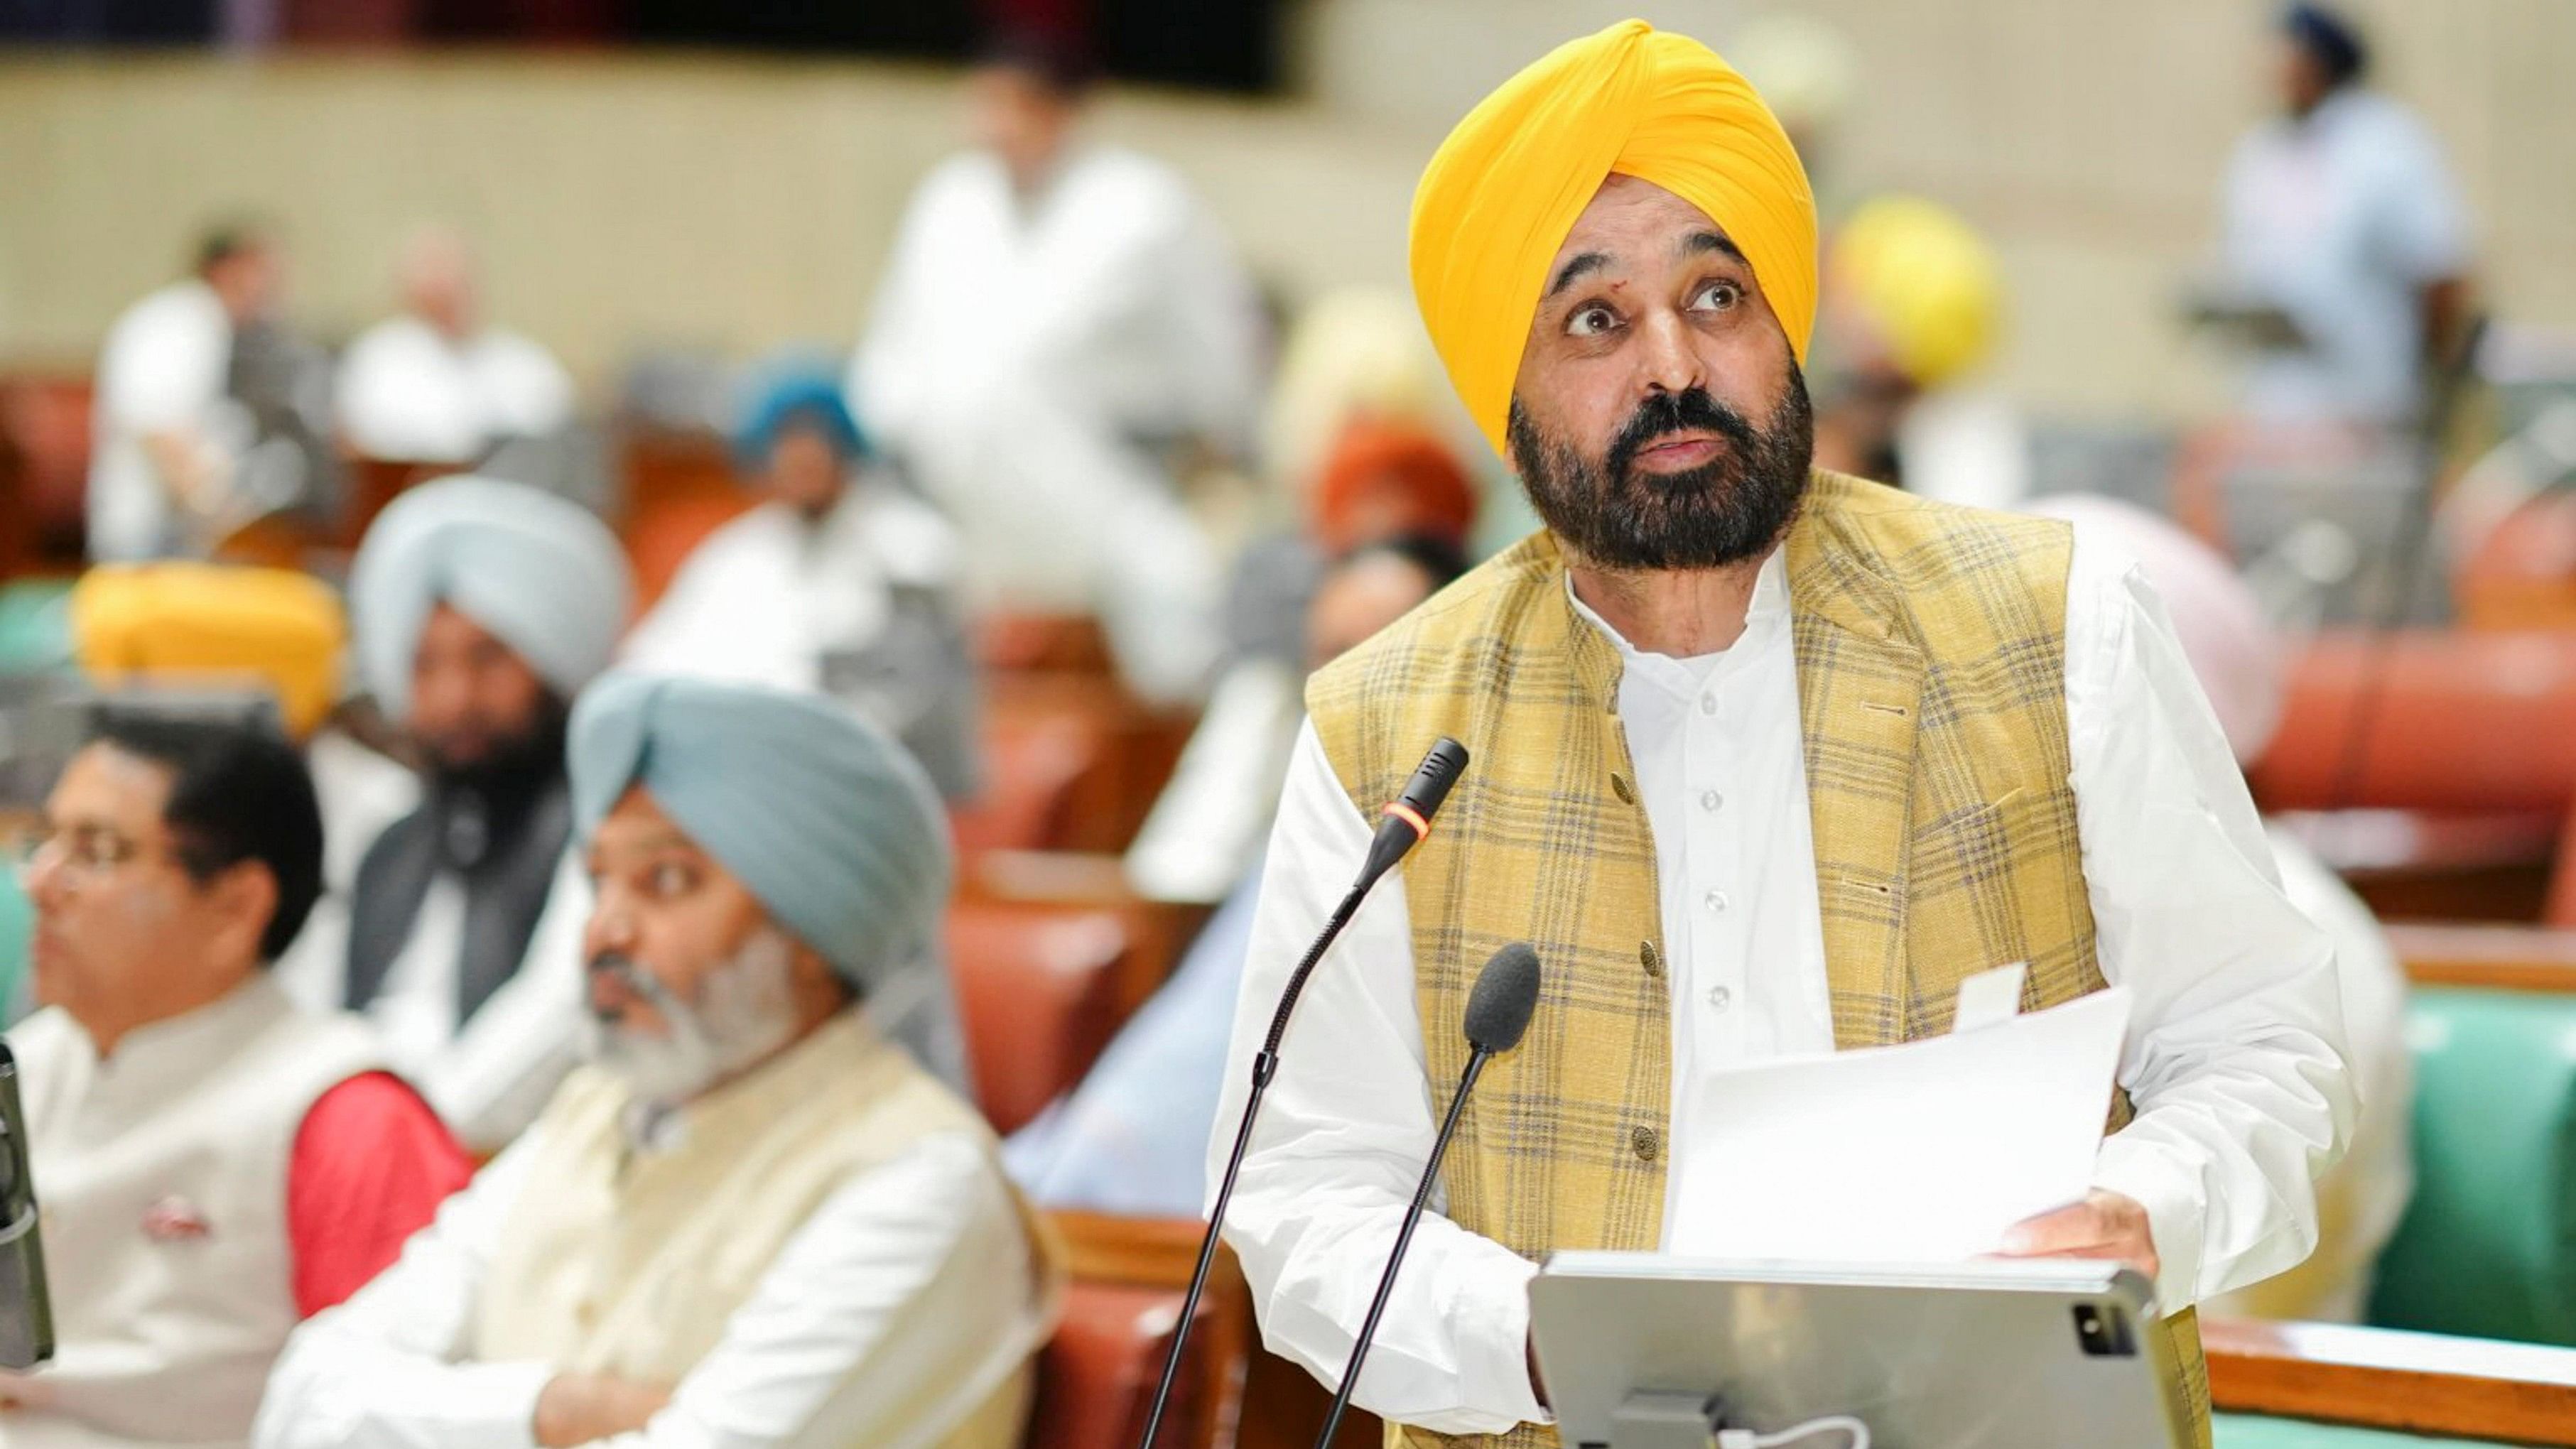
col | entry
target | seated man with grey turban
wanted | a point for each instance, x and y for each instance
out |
(755, 1219)
(479, 610)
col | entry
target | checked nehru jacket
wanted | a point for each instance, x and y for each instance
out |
(1931, 645)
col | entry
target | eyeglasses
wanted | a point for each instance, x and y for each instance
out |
(85, 850)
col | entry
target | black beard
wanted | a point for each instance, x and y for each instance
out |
(1731, 508)
(485, 802)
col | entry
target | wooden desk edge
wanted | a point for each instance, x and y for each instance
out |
(2505, 958)
(2408, 1382)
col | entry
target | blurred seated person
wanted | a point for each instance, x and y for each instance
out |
(755, 1219)
(1381, 483)
(2341, 220)
(2238, 660)
(215, 1164)
(436, 383)
(480, 608)
(1355, 354)
(171, 438)
(1132, 1137)
(183, 625)
(1912, 305)
(1061, 325)
(841, 581)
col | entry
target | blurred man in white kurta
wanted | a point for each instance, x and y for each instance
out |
(439, 384)
(1057, 321)
(755, 1220)
(840, 581)
(170, 437)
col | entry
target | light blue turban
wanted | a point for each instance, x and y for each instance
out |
(538, 571)
(822, 817)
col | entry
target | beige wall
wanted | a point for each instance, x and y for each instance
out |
(740, 203)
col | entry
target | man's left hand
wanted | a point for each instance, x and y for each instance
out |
(2105, 1225)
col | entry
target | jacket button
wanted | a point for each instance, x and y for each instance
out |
(1619, 786)
(1650, 958)
(1647, 1143)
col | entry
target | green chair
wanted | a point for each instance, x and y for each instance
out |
(35, 626)
(17, 918)
(2253, 1431)
(2488, 1247)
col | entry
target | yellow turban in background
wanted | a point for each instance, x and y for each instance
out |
(1925, 280)
(1507, 185)
(186, 623)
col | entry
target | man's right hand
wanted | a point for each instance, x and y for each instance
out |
(578, 1408)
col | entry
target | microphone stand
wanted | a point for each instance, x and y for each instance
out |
(1405, 822)
(1265, 1065)
(1403, 1238)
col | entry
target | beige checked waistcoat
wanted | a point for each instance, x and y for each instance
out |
(1931, 681)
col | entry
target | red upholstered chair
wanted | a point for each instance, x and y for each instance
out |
(2472, 733)
(44, 473)
(1096, 1379)
(1035, 768)
(2522, 575)
(1040, 990)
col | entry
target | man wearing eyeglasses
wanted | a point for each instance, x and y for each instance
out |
(213, 1164)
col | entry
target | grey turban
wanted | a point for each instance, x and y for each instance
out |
(538, 571)
(821, 816)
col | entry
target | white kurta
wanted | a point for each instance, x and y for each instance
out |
(407, 390)
(2340, 220)
(2233, 1058)
(1026, 357)
(764, 598)
(164, 369)
(361, 792)
(934, 1225)
(162, 1174)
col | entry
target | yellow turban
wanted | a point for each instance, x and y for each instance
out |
(1926, 282)
(1506, 187)
(204, 623)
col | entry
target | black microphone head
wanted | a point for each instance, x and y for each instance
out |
(1430, 784)
(1506, 993)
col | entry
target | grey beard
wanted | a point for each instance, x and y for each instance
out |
(741, 1014)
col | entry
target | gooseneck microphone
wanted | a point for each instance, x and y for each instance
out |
(1403, 824)
(1498, 1012)
(1407, 818)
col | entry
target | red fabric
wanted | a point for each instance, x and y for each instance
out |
(372, 1163)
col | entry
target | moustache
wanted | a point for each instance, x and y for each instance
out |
(621, 968)
(1665, 413)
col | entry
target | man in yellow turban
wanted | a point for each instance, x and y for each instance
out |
(1766, 760)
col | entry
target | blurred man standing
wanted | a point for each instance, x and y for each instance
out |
(1059, 322)
(170, 437)
(480, 609)
(215, 1164)
(437, 384)
(1775, 757)
(2341, 216)
(755, 1220)
(841, 581)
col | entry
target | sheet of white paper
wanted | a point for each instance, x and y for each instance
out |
(1918, 1153)
(1990, 997)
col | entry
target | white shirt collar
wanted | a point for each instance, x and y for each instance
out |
(1765, 618)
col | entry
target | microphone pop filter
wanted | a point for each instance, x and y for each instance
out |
(1505, 996)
